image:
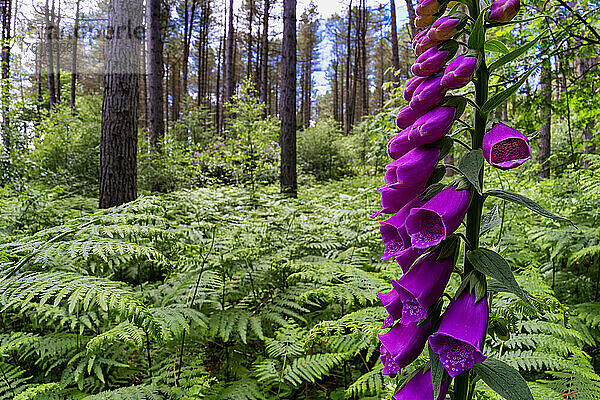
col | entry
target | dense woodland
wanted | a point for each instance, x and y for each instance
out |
(185, 201)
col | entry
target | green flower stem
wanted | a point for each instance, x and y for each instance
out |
(463, 384)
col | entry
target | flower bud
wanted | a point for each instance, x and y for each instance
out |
(421, 387)
(432, 61)
(427, 7)
(428, 95)
(407, 116)
(459, 72)
(404, 343)
(423, 44)
(432, 126)
(400, 145)
(446, 27)
(411, 86)
(424, 22)
(504, 10)
(505, 147)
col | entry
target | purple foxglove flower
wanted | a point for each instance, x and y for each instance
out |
(404, 343)
(420, 388)
(505, 147)
(439, 217)
(411, 86)
(407, 116)
(389, 365)
(394, 197)
(428, 95)
(413, 168)
(392, 305)
(444, 28)
(504, 10)
(432, 126)
(430, 62)
(424, 22)
(426, 8)
(407, 257)
(459, 72)
(461, 334)
(399, 145)
(424, 43)
(393, 231)
(422, 286)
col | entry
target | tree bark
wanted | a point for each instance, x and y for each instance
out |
(288, 100)
(156, 125)
(348, 56)
(229, 67)
(250, 39)
(188, 28)
(411, 17)
(50, 56)
(75, 41)
(57, 49)
(395, 52)
(264, 59)
(363, 45)
(6, 9)
(118, 142)
(545, 116)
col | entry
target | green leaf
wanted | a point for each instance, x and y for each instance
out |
(513, 54)
(437, 372)
(490, 220)
(494, 265)
(505, 94)
(503, 379)
(496, 46)
(470, 166)
(477, 36)
(524, 201)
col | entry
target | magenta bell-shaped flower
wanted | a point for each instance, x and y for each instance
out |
(505, 147)
(445, 28)
(394, 197)
(392, 305)
(422, 286)
(404, 343)
(393, 231)
(428, 95)
(432, 126)
(400, 145)
(421, 388)
(427, 8)
(423, 43)
(430, 62)
(439, 217)
(389, 365)
(504, 10)
(459, 72)
(411, 86)
(407, 257)
(413, 168)
(459, 339)
(407, 116)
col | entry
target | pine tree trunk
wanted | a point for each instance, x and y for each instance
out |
(118, 143)
(348, 57)
(250, 39)
(50, 56)
(411, 18)
(156, 125)
(229, 61)
(545, 116)
(395, 52)
(288, 100)
(264, 59)
(57, 49)
(188, 26)
(363, 44)
(75, 41)
(6, 9)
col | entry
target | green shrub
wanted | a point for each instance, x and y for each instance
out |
(321, 151)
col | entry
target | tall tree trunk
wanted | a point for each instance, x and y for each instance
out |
(75, 41)
(395, 52)
(589, 146)
(57, 49)
(288, 100)
(188, 28)
(411, 18)
(156, 125)
(218, 108)
(335, 91)
(545, 116)
(118, 142)
(229, 61)
(264, 59)
(348, 56)
(50, 56)
(363, 44)
(250, 39)
(6, 8)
